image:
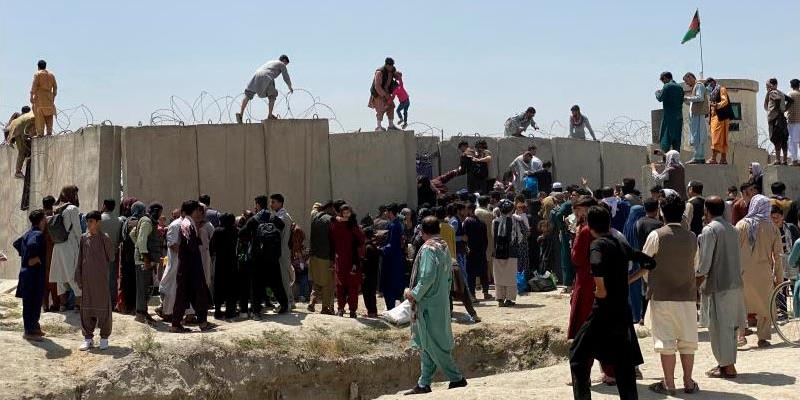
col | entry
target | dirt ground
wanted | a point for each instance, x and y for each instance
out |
(233, 361)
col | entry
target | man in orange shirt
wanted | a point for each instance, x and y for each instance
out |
(43, 95)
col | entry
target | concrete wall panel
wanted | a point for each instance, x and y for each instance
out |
(575, 158)
(621, 161)
(13, 221)
(716, 178)
(786, 174)
(450, 155)
(298, 164)
(369, 169)
(228, 167)
(160, 164)
(88, 158)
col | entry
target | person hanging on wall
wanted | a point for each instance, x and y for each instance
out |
(263, 85)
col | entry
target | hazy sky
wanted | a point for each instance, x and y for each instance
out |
(467, 65)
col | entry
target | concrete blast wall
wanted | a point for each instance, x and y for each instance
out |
(13, 221)
(574, 159)
(231, 163)
(781, 173)
(89, 159)
(369, 169)
(621, 161)
(716, 178)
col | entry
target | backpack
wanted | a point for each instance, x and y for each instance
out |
(57, 228)
(267, 240)
(531, 184)
(502, 240)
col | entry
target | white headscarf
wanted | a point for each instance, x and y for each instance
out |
(756, 169)
(757, 212)
(673, 158)
(612, 202)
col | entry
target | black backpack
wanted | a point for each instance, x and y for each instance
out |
(57, 229)
(267, 240)
(502, 240)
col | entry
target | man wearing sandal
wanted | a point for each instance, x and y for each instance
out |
(672, 291)
(719, 276)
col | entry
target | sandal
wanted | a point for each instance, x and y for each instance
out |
(741, 342)
(660, 388)
(718, 372)
(694, 389)
(179, 329)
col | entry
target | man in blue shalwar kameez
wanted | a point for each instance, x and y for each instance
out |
(31, 248)
(393, 263)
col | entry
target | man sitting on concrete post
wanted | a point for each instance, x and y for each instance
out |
(263, 85)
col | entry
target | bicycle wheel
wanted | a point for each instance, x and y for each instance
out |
(785, 317)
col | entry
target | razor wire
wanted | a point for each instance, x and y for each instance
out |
(210, 109)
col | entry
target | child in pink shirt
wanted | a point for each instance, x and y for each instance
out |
(399, 91)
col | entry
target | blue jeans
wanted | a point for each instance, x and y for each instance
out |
(302, 283)
(403, 106)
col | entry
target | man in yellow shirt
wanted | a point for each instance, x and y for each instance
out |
(43, 96)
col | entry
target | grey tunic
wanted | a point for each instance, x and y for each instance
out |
(263, 81)
(723, 298)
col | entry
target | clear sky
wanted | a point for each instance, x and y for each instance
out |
(467, 65)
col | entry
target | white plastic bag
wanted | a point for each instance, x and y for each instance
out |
(400, 315)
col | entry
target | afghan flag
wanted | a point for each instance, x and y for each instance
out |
(694, 28)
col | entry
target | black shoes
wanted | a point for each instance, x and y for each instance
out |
(461, 383)
(418, 390)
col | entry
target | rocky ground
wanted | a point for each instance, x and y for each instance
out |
(515, 352)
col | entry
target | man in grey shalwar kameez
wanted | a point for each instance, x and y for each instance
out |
(720, 271)
(263, 85)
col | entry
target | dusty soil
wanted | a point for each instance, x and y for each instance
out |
(514, 353)
(289, 356)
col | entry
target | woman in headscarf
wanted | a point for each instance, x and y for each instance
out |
(635, 290)
(760, 244)
(757, 176)
(673, 176)
(126, 298)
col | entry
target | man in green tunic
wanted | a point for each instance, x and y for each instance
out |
(429, 295)
(672, 117)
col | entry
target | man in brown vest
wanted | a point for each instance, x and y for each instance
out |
(672, 291)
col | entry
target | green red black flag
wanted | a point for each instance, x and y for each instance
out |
(694, 28)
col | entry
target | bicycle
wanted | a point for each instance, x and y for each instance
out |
(784, 312)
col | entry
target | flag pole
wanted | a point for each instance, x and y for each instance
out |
(700, 33)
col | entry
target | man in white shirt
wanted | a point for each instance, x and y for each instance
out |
(263, 85)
